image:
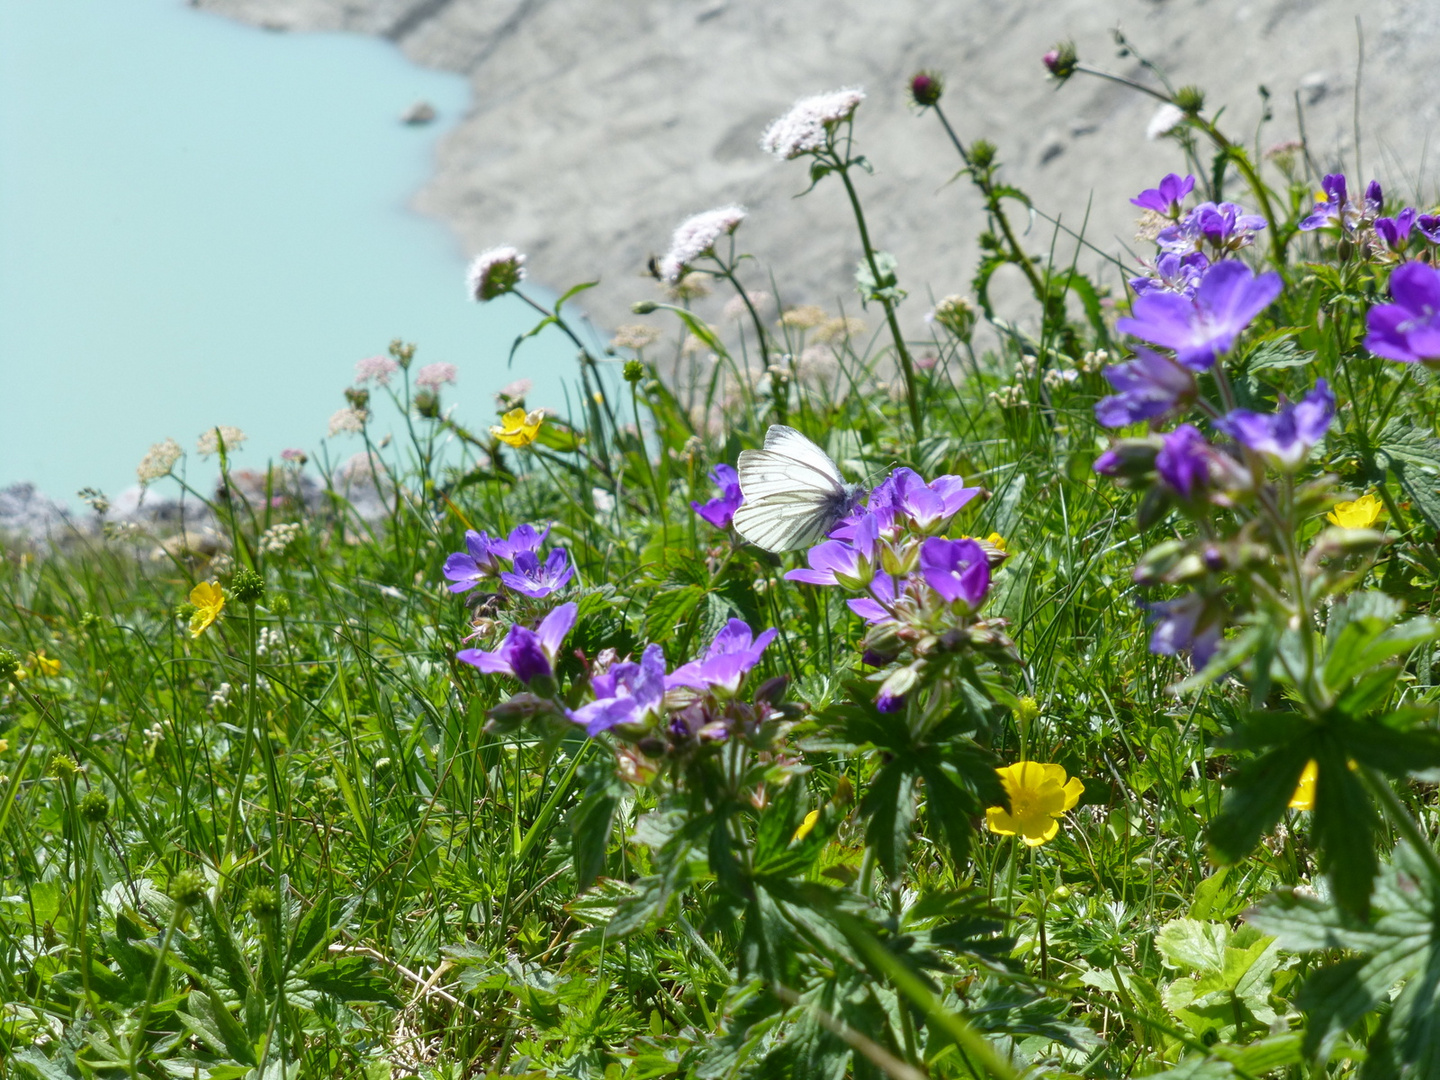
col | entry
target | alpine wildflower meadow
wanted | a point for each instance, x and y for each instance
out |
(1069, 711)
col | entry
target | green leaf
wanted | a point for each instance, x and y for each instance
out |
(1344, 827)
(670, 608)
(352, 978)
(889, 804)
(1189, 943)
(591, 824)
(1260, 791)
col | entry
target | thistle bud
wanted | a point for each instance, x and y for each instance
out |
(926, 88)
(982, 154)
(427, 404)
(247, 586)
(1190, 100)
(94, 806)
(187, 888)
(1061, 60)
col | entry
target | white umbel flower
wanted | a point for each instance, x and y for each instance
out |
(804, 128)
(158, 461)
(697, 236)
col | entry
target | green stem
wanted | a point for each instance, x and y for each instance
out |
(1400, 817)
(156, 975)
(907, 367)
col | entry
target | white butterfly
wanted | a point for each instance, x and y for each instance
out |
(794, 494)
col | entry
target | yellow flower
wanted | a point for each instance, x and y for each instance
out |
(1360, 514)
(1304, 797)
(42, 664)
(997, 540)
(805, 826)
(209, 601)
(1039, 794)
(518, 428)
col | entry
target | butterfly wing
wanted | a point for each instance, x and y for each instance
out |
(792, 492)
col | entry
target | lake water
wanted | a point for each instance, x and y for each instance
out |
(203, 223)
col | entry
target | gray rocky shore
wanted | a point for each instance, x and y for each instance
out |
(595, 128)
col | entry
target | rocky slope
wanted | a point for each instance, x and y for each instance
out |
(595, 127)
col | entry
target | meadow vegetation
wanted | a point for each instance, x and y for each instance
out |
(1099, 740)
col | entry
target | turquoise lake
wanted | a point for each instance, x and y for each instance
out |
(204, 223)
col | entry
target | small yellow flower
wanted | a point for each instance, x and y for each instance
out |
(518, 428)
(42, 664)
(997, 540)
(1360, 514)
(209, 601)
(1304, 797)
(805, 826)
(1039, 794)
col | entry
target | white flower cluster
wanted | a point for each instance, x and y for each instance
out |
(376, 369)
(266, 640)
(159, 460)
(348, 422)
(634, 336)
(495, 272)
(434, 376)
(221, 697)
(696, 236)
(806, 127)
(274, 540)
(1009, 397)
(209, 442)
(222, 564)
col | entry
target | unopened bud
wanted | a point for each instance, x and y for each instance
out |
(94, 806)
(643, 307)
(1060, 61)
(926, 88)
(247, 586)
(1190, 100)
(187, 888)
(634, 371)
(9, 665)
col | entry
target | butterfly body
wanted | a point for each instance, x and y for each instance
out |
(794, 494)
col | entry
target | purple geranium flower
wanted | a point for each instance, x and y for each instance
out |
(526, 654)
(731, 655)
(1429, 226)
(535, 579)
(1395, 232)
(721, 510)
(1174, 273)
(834, 562)
(629, 693)
(1284, 437)
(956, 569)
(476, 563)
(1409, 329)
(1150, 386)
(882, 590)
(1184, 624)
(1332, 210)
(1202, 328)
(523, 538)
(1224, 226)
(1166, 198)
(928, 506)
(1184, 460)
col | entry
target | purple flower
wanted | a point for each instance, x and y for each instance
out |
(889, 703)
(1174, 274)
(1374, 199)
(1202, 328)
(834, 562)
(526, 654)
(524, 538)
(535, 579)
(719, 511)
(730, 656)
(1184, 460)
(882, 589)
(1286, 436)
(1429, 226)
(1150, 386)
(629, 693)
(1224, 226)
(1166, 198)
(476, 563)
(956, 569)
(1332, 210)
(928, 506)
(1184, 624)
(1395, 232)
(1409, 329)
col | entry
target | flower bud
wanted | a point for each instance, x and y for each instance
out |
(359, 399)
(926, 88)
(94, 806)
(982, 154)
(427, 404)
(643, 307)
(1128, 458)
(893, 690)
(187, 888)
(1061, 60)
(772, 691)
(63, 766)
(263, 903)
(634, 371)
(1190, 100)
(402, 351)
(247, 586)
(9, 665)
